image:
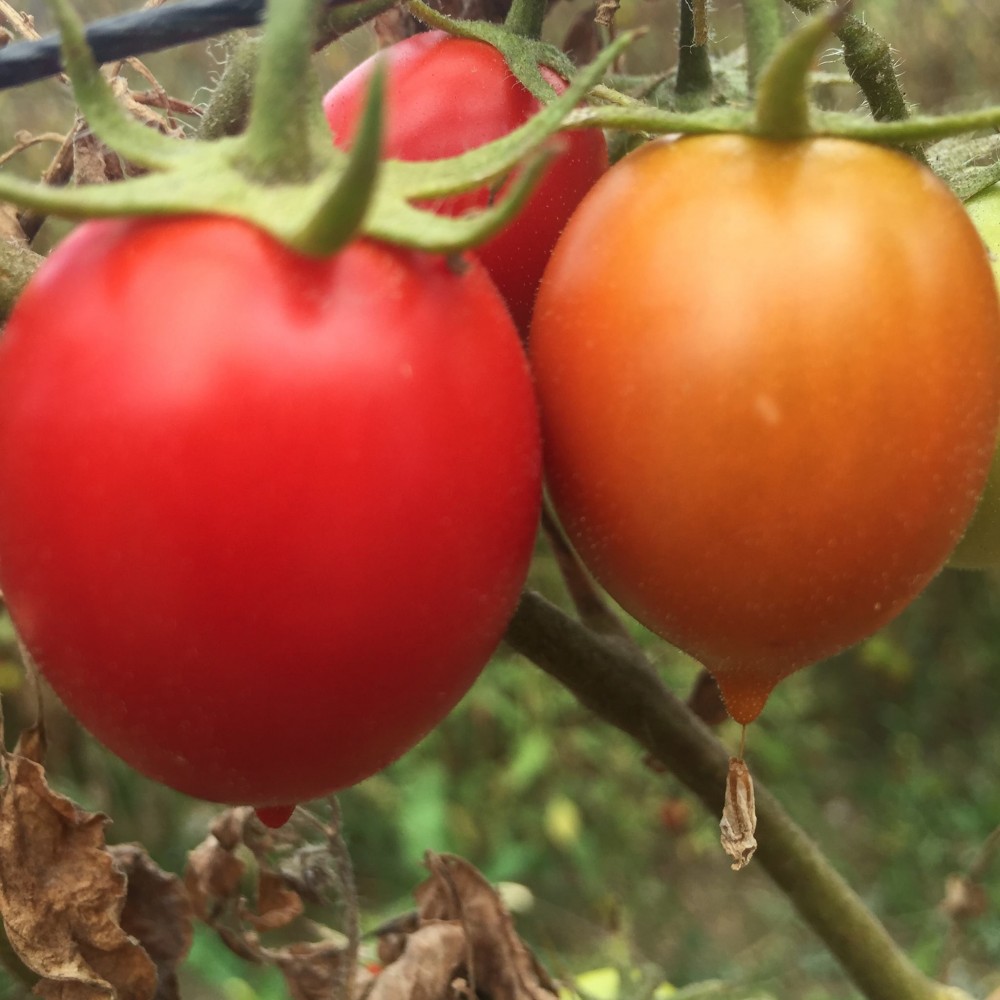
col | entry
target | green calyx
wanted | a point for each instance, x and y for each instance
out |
(515, 41)
(782, 108)
(284, 175)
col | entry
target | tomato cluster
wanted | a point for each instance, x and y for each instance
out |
(264, 517)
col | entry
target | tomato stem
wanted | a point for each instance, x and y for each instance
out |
(525, 18)
(341, 214)
(762, 26)
(782, 110)
(285, 112)
(869, 60)
(694, 71)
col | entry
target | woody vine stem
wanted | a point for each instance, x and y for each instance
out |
(614, 679)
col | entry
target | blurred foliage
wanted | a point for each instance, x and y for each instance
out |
(887, 755)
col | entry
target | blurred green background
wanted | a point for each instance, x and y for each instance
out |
(888, 755)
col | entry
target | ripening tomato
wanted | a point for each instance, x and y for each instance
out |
(263, 518)
(980, 545)
(769, 376)
(446, 95)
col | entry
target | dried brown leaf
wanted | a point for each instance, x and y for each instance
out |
(434, 956)
(277, 905)
(314, 970)
(392, 936)
(239, 826)
(739, 815)
(157, 913)
(61, 896)
(212, 875)
(92, 161)
(32, 743)
(502, 966)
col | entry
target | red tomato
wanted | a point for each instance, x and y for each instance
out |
(769, 376)
(263, 518)
(447, 95)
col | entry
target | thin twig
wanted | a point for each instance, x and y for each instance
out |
(24, 140)
(23, 24)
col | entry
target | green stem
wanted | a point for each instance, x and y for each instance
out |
(694, 71)
(616, 681)
(525, 18)
(782, 110)
(339, 20)
(279, 132)
(228, 109)
(762, 28)
(869, 61)
(339, 216)
(643, 118)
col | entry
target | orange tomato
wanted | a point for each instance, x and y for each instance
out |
(769, 375)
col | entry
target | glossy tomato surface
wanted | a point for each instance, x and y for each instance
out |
(262, 518)
(769, 376)
(447, 95)
(980, 545)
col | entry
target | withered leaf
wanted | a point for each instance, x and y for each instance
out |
(212, 876)
(277, 905)
(92, 161)
(433, 957)
(61, 896)
(157, 913)
(502, 966)
(739, 815)
(313, 970)
(32, 743)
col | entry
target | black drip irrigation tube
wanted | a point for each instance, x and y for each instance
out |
(134, 34)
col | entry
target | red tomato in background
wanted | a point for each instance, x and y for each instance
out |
(447, 95)
(263, 518)
(769, 376)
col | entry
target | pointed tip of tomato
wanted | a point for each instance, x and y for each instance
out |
(274, 816)
(745, 693)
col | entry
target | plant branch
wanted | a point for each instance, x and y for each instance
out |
(618, 683)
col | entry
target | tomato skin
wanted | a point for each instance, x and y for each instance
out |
(980, 545)
(263, 518)
(769, 376)
(447, 95)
